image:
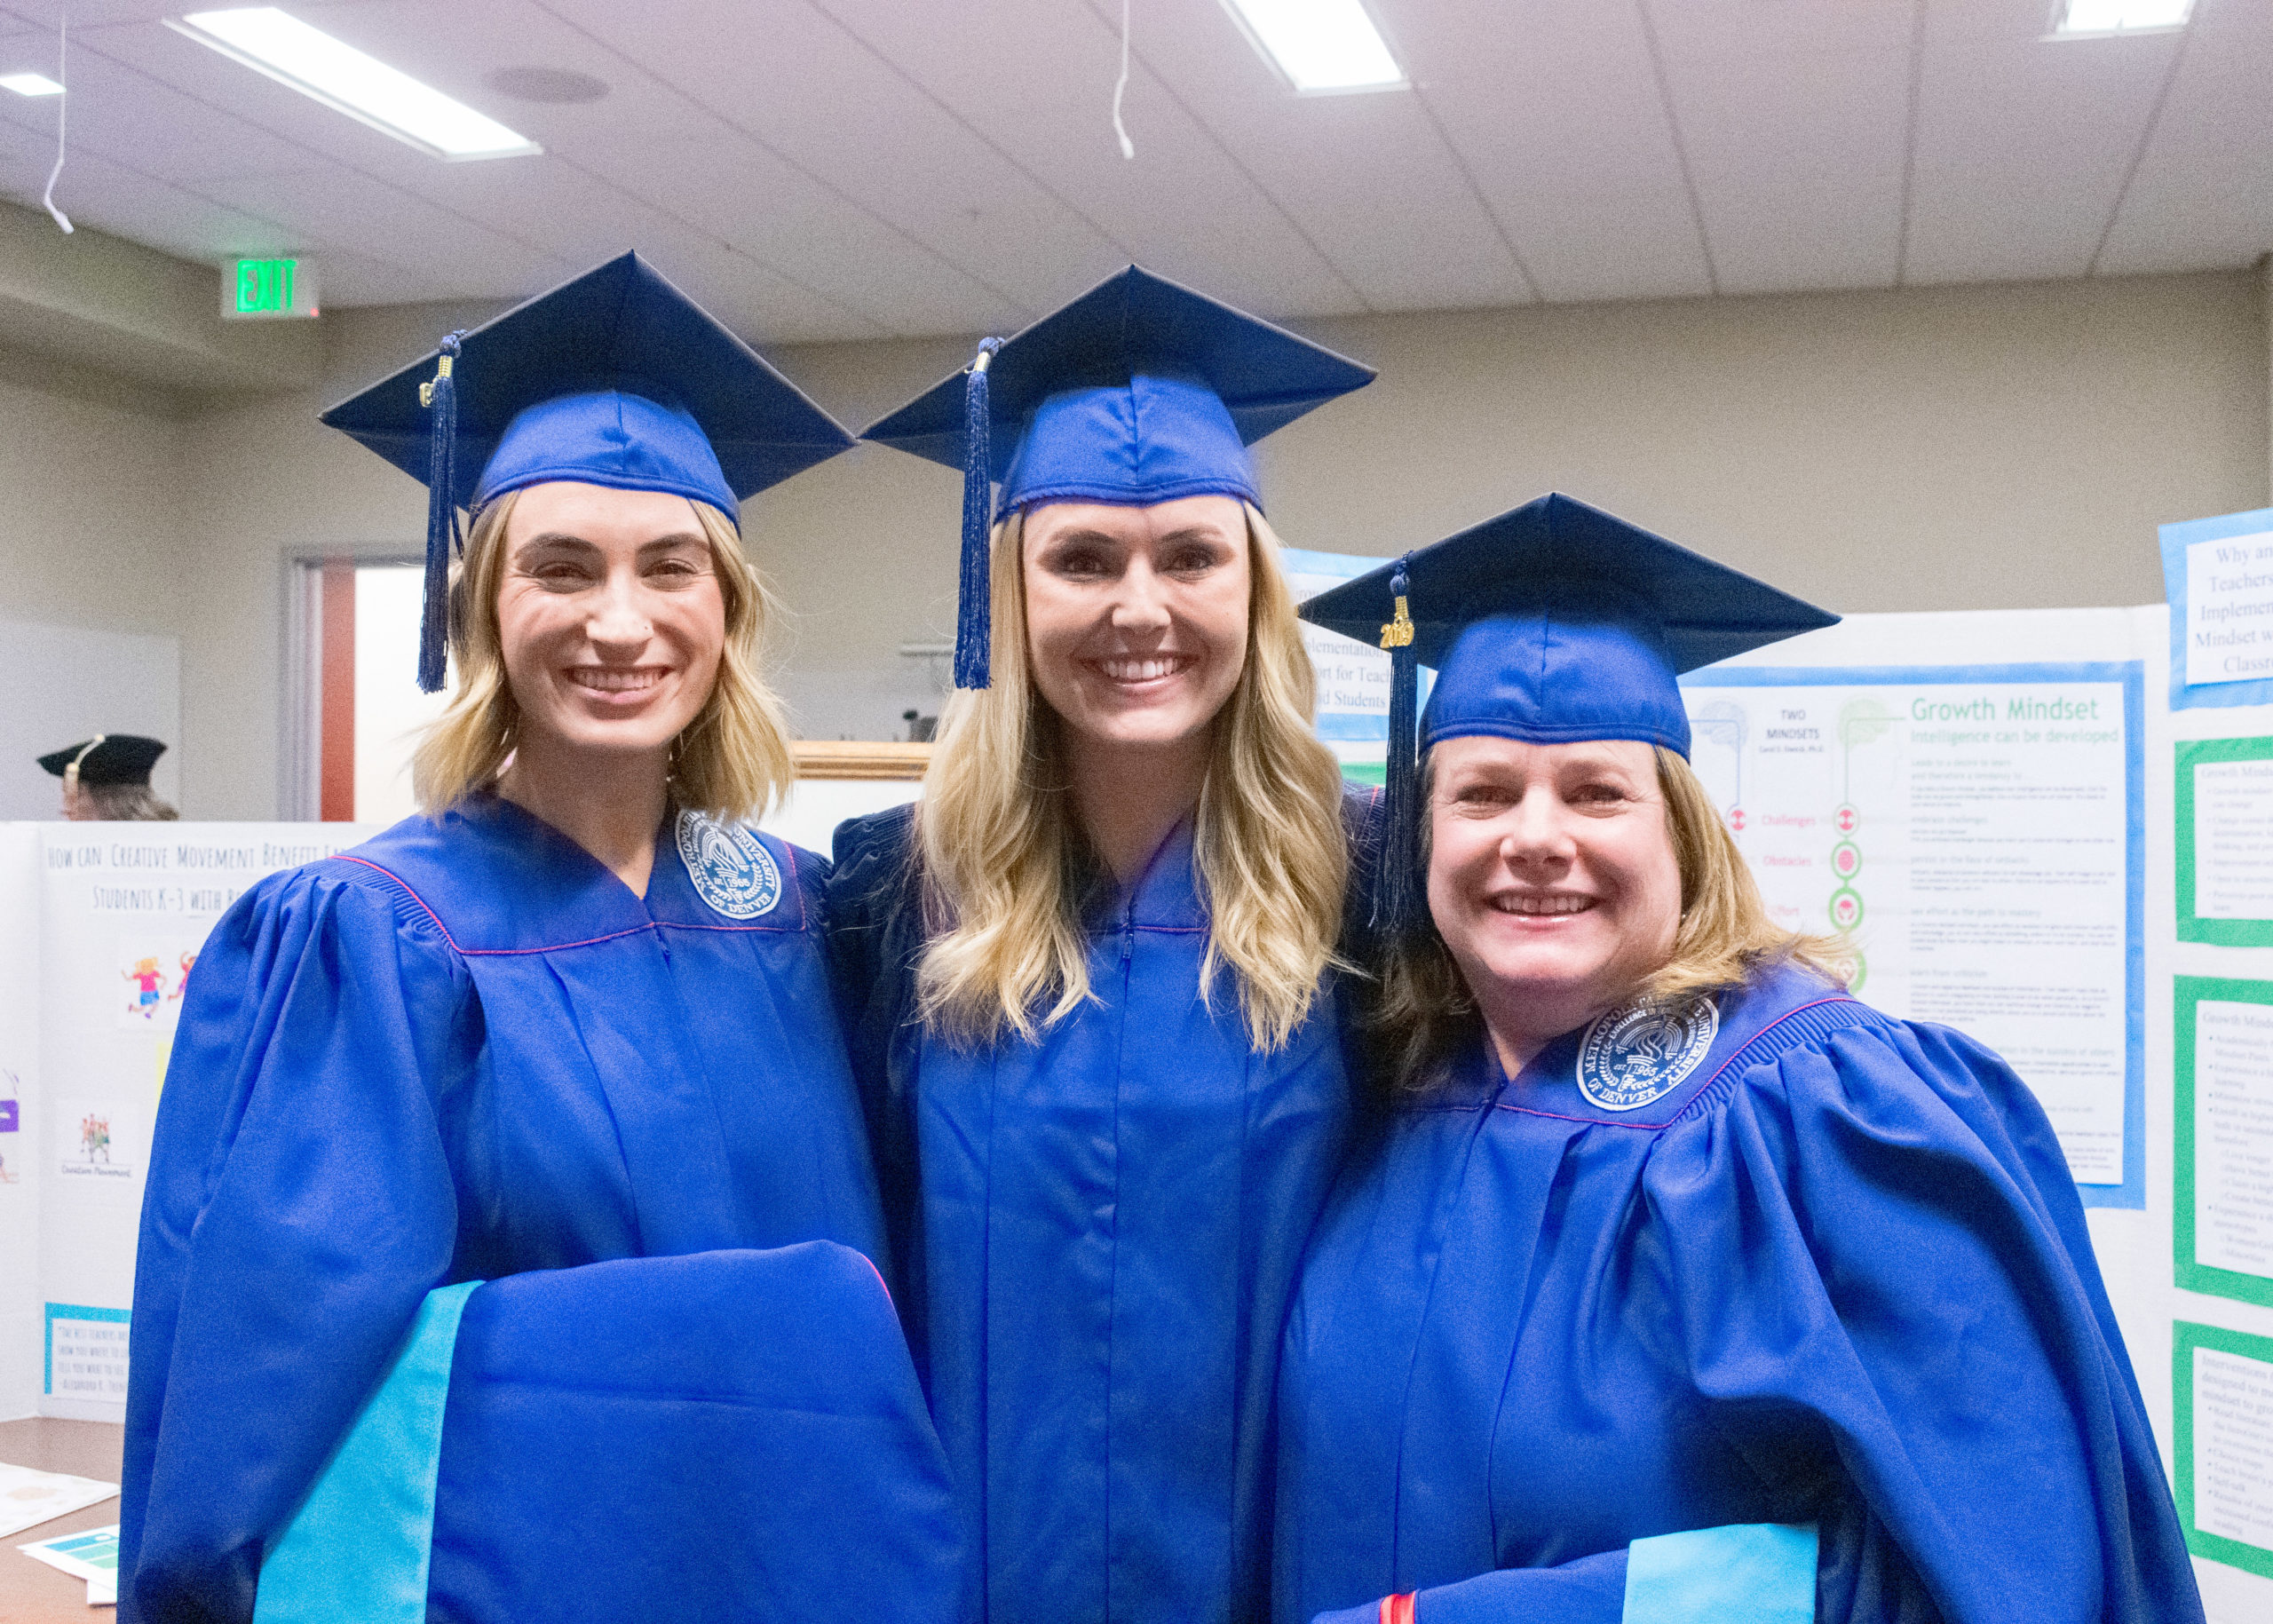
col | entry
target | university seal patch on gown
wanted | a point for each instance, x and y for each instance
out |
(1642, 1052)
(731, 870)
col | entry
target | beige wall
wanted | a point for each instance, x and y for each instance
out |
(1992, 447)
(90, 503)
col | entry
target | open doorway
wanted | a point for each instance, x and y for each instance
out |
(358, 710)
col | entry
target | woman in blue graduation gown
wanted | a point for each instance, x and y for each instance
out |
(575, 1012)
(1677, 1283)
(1085, 975)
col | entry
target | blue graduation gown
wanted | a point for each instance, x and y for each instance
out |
(461, 1051)
(1839, 1276)
(1100, 1229)
(734, 1434)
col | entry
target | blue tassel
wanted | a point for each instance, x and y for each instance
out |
(1397, 885)
(441, 398)
(974, 622)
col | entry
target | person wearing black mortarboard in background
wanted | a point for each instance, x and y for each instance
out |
(106, 780)
(1678, 1287)
(1092, 973)
(568, 1033)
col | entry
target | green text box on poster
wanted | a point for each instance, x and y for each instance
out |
(2232, 1348)
(2224, 928)
(2188, 994)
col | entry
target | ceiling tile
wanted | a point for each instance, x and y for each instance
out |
(690, 158)
(816, 94)
(586, 218)
(2203, 195)
(1794, 116)
(273, 113)
(2022, 143)
(123, 112)
(88, 16)
(94, 192)
(1036, 81)
(1554, 107)
(1364, 175)
(740, 194)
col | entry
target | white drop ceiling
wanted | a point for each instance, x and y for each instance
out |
(857, 169)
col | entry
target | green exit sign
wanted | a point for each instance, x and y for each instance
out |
(268, 290)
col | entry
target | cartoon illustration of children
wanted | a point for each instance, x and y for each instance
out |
(147, 978)
(94, 1138)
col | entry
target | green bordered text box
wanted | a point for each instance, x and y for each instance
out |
(2184, 1340)
(2188, 994)
(2191, 926)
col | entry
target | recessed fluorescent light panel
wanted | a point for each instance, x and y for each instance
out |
(1320, 45)
(347, 81)
(30, 84)
(2098, 18)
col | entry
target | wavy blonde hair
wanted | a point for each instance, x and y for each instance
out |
(1002, 855)
(733, 761)
(1421, 1012)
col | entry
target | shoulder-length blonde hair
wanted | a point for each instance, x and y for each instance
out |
(1421, 1012)
(1002, 857)
(733, 761)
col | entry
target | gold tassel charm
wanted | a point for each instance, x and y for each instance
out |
(1398, 632)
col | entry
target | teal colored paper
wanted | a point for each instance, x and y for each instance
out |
(1751, 1573)
(356, 1551)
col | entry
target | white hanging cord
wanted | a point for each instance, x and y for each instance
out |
(62, 106)
(1127, 146)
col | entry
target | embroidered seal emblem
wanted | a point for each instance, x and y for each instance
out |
(1642, 1052)
(731, 867)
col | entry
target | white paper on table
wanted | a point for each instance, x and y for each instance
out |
(29, 1497)
(91, 1554)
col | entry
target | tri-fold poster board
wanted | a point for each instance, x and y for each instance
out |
(2052, 830)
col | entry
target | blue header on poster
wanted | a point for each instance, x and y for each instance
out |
(2175, 540)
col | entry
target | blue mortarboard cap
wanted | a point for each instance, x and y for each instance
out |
(613, 378)
(1553, 623)
(1137, 392)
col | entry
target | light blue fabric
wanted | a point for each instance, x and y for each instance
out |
(356, 1550)
(1749, 1573)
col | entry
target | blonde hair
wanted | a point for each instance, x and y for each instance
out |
(127, 804)
(733, 761)
(1003, 859)
(1420, 1011)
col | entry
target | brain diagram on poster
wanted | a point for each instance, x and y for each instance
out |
(1975, 832)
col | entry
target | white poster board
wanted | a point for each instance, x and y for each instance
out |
(102, 923)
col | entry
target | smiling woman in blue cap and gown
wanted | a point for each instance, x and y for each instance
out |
(1679, 1286)
(569, 1032)
(1091, 974)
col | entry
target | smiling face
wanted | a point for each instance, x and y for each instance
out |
(1552, 878)
(610, 618)
(1137, 618)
